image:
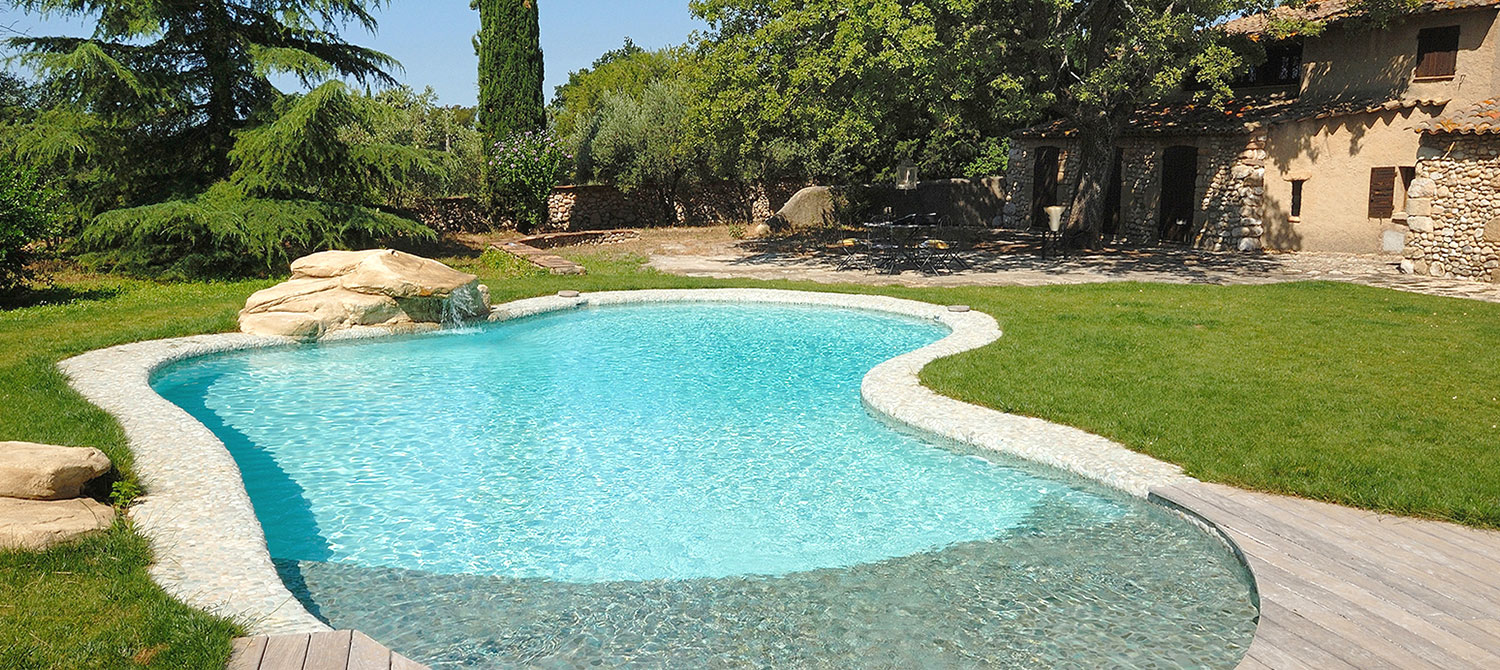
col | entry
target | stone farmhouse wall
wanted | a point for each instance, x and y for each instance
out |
(1451, 207)
(1020, 174)
(1229, 187)
(598, 207)
(1233, 183)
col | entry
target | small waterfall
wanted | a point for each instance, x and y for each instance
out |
(461, 307)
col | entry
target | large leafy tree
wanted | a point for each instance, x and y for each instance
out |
(1096, 62)
(510, 68)
(838, 90)
(153, 97)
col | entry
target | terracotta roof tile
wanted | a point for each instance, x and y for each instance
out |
(1235, 116)
(1336, 10)
(1481, 118)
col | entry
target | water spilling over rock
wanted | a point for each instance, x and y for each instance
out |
(334, 290)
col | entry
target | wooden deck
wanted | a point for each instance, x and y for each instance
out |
(1346, 589)
(337, 650)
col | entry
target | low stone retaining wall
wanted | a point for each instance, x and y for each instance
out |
(550, 240)
(598, 207)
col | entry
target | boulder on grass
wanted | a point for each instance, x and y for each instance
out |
(333, 290)
(40, 524)
(47, 472)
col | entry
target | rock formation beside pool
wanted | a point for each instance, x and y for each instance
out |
(38, 488)
(46, 472)
(334, 290)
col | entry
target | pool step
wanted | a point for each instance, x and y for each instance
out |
(334, 650)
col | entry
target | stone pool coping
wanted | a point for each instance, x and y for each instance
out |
(211, 551)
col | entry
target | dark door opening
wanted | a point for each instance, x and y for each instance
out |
(1112, 193)
(1179, 176)
(1044, 184)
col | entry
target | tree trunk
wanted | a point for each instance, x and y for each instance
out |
(1095, 160)
(221, 109)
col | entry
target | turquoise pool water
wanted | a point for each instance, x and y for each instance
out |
(676, 485)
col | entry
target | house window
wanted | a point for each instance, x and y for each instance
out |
(1382, 192)
(1283, 67)
(1297, 199)
(1407, 173)
(1437, 52)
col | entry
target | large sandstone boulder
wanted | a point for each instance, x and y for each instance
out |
(39, 524)
(332, 290)
(811, 207)
(47, 472)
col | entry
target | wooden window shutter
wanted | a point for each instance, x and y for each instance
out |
(1382, 192)
(1437, 52)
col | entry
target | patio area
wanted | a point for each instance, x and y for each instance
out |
(1013, 258)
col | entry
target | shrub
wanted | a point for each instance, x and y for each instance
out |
(224, 232)
(25, 217)
(526, 166)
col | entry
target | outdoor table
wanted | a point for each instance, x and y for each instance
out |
(898, 246)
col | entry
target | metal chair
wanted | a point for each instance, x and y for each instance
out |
(853, 254)
(939, 255)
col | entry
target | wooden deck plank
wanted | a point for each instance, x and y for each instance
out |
(367, 654)
(1280, 548)
(246, 653)
(399, 662)
(1384, 593)
(1345, 558)
(1410, 544)
(1341, 587)
(329, 651)
(285, 652)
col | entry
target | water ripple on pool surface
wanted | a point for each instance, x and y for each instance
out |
(687, 485)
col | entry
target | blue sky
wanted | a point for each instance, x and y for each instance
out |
(432, 38)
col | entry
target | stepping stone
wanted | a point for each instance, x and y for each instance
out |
(40, 524)
(47, 472)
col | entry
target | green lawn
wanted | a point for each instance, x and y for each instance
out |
(1355, 395)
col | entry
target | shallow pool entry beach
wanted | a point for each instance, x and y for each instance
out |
(688, 485)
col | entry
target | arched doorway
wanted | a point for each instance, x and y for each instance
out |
(1179, 189)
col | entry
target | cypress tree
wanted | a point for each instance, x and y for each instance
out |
(510, 69)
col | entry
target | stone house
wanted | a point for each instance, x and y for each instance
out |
(1352, 140)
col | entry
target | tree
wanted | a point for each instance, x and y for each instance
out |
(839, 91)
(301, 183)
(170, 82)
(25, 217)
(643, 143)
(1095, 62)
(627, 71)
(510, 68)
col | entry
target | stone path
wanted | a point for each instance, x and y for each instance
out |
(1010, 259)
(1347, 589)
(543, 259)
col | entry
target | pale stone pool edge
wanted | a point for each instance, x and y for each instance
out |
(210, 549)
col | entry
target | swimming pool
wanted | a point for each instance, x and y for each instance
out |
(687, 485)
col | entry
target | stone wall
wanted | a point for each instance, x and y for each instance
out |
(606, 207)
(1232, 179)
(1453, 208)
(596, 207)
(1229, 187)
(1019, 175)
